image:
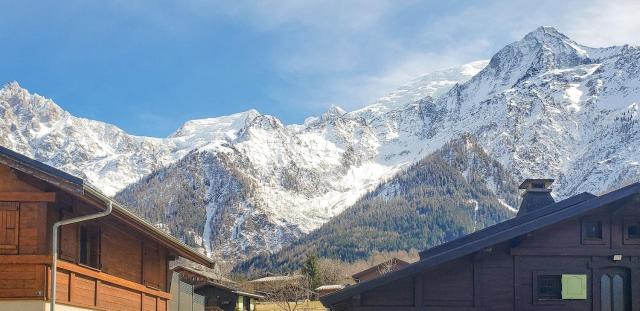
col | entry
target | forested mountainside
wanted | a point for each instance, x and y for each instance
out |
(246, 184)
(450, 193)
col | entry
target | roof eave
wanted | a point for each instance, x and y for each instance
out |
(169, 241)
(466, 249)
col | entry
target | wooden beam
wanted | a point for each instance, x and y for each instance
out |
(108, 278)
(26, 259)
(28, 196)
(585, 251)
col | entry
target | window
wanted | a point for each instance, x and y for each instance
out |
(549, 287)
(89, 246)
(594, 231)
(632, 231)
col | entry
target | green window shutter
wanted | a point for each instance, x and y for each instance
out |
(252, 304)
(574, 286)
(240, 303)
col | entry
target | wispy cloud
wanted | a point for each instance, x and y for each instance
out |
(351, 52)
(605, 23)
(291, 58)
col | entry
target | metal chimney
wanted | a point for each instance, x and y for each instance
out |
(537, 194)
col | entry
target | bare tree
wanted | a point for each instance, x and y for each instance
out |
(387, 266)
(332, 272)
(288, 295)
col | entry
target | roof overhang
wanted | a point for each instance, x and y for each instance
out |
(490, 236)
(76, 187)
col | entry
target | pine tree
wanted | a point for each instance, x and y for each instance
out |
(311, 270)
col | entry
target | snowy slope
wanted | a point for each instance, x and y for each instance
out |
(543, 106)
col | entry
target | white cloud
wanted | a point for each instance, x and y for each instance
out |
(605, 23)
(351, 52)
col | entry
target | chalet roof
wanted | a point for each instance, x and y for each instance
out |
(493, 235)
(277, 278)
(206, 274)
(77, 187)
(330, 287)
(397, 263)
(229, 288)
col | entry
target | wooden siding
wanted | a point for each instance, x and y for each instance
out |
(25, 256)
(21, 280)
(503, 277)
(124, 253)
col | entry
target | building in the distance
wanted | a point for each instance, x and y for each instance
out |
(581, 253)
(195, 289)
(328, 289)
(114, 262)
(383, 268)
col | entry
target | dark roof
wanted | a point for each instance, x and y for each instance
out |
(79, 188)
(228, 288)
(396, 264)
(492, 235)
(41, 166)
(526, 182)
(533, 200)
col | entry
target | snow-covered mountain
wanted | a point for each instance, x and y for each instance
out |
(543, 106)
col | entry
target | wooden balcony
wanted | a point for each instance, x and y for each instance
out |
(27, 277)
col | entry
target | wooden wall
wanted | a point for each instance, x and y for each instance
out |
(133, 269)
(23, 238)
(503, 277)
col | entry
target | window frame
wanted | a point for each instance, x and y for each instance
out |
(625, 230)
(536, 290)
(604, 231)
(542, 301)
(97, 230)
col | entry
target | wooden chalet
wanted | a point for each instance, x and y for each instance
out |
(328, 289)
(116, 262)
(582, 253)
(269, 283)
(378, 270)
(197, 289)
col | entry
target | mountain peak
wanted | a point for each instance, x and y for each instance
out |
(553, 41)
(12, 87)
(211, 128)
(543, 32)
(334, 111)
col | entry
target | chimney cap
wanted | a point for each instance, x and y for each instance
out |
(536, 183)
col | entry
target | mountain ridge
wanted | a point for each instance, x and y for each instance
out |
(543, 106)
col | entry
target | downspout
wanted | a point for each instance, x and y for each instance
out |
(54, 246)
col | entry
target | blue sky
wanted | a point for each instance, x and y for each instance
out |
(149, 66)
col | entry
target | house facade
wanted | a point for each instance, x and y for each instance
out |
(116, 262)
(582, 253)
(202, 290)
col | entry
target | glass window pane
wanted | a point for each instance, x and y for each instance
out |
(593, 229)
(605, 293)
(549, 286)
(633, 230)
(618, 293)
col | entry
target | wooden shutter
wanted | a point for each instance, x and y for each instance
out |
(68, 242)
(9, 213)
(152, 266)
(574, 286)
